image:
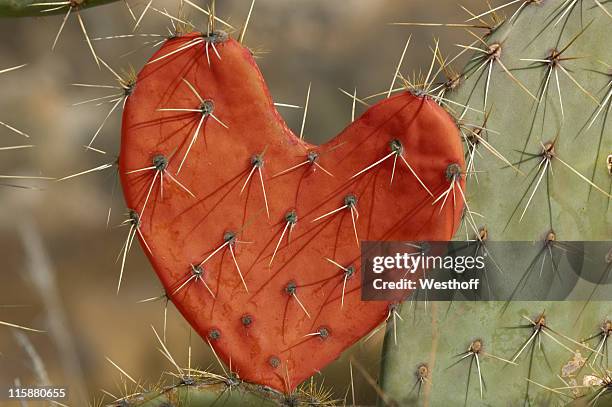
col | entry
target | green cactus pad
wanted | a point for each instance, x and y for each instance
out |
(559, 147)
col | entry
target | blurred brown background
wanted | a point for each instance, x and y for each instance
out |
(58, 270)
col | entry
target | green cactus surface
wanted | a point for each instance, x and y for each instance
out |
(533, 104)
(202, 389)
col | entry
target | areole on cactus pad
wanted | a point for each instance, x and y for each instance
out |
(253, 232)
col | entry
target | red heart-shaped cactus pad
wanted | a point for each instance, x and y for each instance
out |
(254, 232)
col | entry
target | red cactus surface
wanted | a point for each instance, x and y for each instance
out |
(255, 233)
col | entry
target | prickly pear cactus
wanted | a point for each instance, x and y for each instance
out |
(206, 389)
(255, 233)
(533, 106)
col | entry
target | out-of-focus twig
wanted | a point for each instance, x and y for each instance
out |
(42, 276)
(42, 378)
